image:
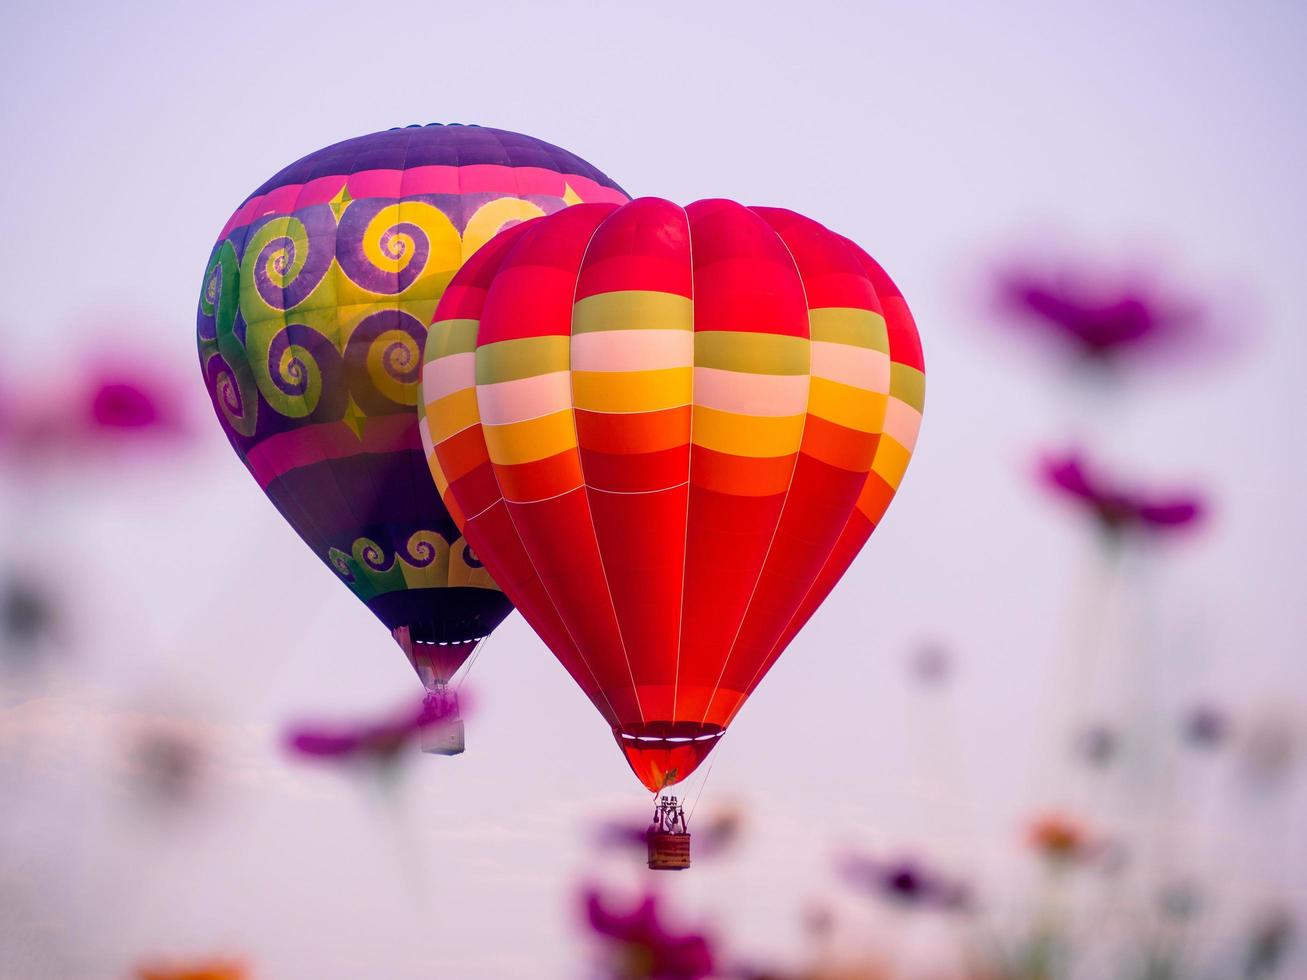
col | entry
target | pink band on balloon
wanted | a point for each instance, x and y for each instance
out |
(474, 179)
(288, 451)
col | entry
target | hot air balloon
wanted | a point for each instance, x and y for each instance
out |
(312, 318)
(667, 432)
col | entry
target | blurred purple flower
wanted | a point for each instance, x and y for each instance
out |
(1099, 320)
(1098, 745)
(376, 741)
(1118, 510)
(930, 664)
(714, 834)
(639, 946)
(906, 882)
(1205, 727)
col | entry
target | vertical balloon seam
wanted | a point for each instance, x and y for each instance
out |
(860, 256)
(689, 480)
(780, 517)
(585, 485)
(509, 511)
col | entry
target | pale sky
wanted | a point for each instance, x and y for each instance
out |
(935, 135)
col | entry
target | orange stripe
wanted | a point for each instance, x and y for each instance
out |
(540, 479)
(744, 476)
(641, 432)
(849, 449)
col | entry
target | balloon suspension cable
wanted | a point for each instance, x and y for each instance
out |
(476, 652)
(699, 793)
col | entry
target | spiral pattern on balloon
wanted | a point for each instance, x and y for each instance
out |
(232, 394)
(341, 563)
(300, 372)
(384, 247)
(384, 360)
(218, 293)
(288, 256)
(367, 552)
(424, 547)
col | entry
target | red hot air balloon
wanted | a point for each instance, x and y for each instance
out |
(668, 431)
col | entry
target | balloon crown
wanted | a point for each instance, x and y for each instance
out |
(426, 125)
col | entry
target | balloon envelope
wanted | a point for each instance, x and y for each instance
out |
(312, 319)
(668, 431)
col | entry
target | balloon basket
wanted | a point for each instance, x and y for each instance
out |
(445, 738)
(669, 852)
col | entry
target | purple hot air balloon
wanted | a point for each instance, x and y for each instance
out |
(312, 320)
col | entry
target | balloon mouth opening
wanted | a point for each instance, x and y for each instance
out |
(447, 643)
(662, 754)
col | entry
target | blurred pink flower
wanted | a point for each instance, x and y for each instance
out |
(1117, 509)
(906, 882)
(1099, 319)
(639, 946)
(110, 406)
(375, 741)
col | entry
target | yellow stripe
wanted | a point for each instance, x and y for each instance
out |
(633, 309)
(453, 413)
(525, 442)
(632, 391)
(853, 408)
(890, 462)
(746, 435)
(846, 325)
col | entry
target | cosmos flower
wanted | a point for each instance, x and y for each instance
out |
(713, 834)
(108, 407)
(199, 970)
(374, 741)
(637, 945)
(1099, 320)
(906, 882)
(1118, 510)
(1060, 840)
(1205, 727)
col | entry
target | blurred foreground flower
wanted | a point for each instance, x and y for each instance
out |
(714, 834)
(1269, 944)
(378, 742)
(1099, 320)
(637, 945)
(27, 620)
(1205, 727)
(199, 970)
(1118, 510)
(1060, 840)
(109, 408)
(169, 761)
(906, 882)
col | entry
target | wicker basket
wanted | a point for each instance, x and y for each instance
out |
(669, 852)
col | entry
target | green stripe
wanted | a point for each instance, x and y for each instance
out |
(752, 353)
(633, 309)
(907, 384)
(524, 357)
(848, 325)
(451, 337)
